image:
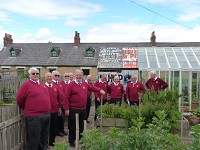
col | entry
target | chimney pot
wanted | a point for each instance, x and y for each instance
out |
(153, 39)
(7, 40)
(76, 39)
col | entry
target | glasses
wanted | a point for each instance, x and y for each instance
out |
(35, 73)
(57, 75)
(66, 76)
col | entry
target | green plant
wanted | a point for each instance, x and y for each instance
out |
(60, 146)
(155, 136)
(1, 102)
(195, 133)
(196, 112)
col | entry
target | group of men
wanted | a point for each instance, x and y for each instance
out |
(46, 103)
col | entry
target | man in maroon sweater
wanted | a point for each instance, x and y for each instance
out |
(55, 107)
(89, 81)
(103, 84)
(75, 102)
(65, 83)
(155, 82)
(61, 120)
(33, 98)
(116, 91)
(133, 89)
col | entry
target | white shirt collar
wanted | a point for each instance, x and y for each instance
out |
(78, 82)
(38, 81)
(135, 82)
(55, 81)
(101, 81)
(116, 84)
(155, 78)
(47, 84)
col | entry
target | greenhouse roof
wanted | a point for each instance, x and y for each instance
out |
(169, 58)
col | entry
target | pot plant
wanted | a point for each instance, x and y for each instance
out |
(195, 117)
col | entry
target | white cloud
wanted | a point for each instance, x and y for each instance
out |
(130, 32)
(51, 9)
(189, 10)
(74, 23)
(4, 17)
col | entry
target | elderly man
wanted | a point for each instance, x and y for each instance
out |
(71, 77)
(33, 98)
(133, 89)
(75, 102)
(116, 91)
(55, 107)
(55, 80)
(89, 81)
(155, 82)
(64, 83)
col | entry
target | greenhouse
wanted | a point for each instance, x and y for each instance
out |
(179, 66)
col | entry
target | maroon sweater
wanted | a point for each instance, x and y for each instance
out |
(158, 84)
(76, 95)
(89, 92)
(61, 93)
(132, 92)
(103, 86)
(64, 85)
(33, 98)
(116, 91)
(54, 98)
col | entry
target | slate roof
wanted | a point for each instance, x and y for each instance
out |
(38, 54)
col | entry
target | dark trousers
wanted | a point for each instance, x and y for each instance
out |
(53, 128)
(61, 122)
(72, 123)
(134, 103)
(88, 105)
(97, 104)
(116, 101)
(37, 130)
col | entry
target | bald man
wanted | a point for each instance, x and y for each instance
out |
(133, 89)
(154, 82)
(116, 91)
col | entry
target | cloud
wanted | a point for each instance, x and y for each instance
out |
(188, 10)
(133, 32)
(51, 9)
(4, 17)
(74, 23)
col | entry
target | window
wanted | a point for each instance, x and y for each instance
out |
(13, 53)
(86, 72)
(89, 52)
(6, 71)
(51, 69)
(20, 72)
(54, 53)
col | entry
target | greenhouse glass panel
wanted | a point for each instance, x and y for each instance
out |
(171, 58)
(181, 58)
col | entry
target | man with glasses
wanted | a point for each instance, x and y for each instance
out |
(64, 83)
(55, 107)
(33, 98)
(55, 80)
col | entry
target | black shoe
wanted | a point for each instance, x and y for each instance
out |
(60, 134)
(51, 144)
(65, 133)
(72, 144)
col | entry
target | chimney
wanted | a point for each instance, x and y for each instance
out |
(7, 40)
(77, 39)
(153, 39)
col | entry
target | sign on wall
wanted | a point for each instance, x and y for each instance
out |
(110, 57)
(129, 58)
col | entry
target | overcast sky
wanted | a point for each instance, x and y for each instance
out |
(41, 21)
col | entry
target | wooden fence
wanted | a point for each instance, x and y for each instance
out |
(9, 87)
(12, 130)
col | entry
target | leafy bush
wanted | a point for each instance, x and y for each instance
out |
(61, 146)
(155, 136)
(196, 112)
(195, 133)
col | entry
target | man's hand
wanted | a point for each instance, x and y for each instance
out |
(102, 92)
(59, 112)
(67, 112)
(98, 99)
